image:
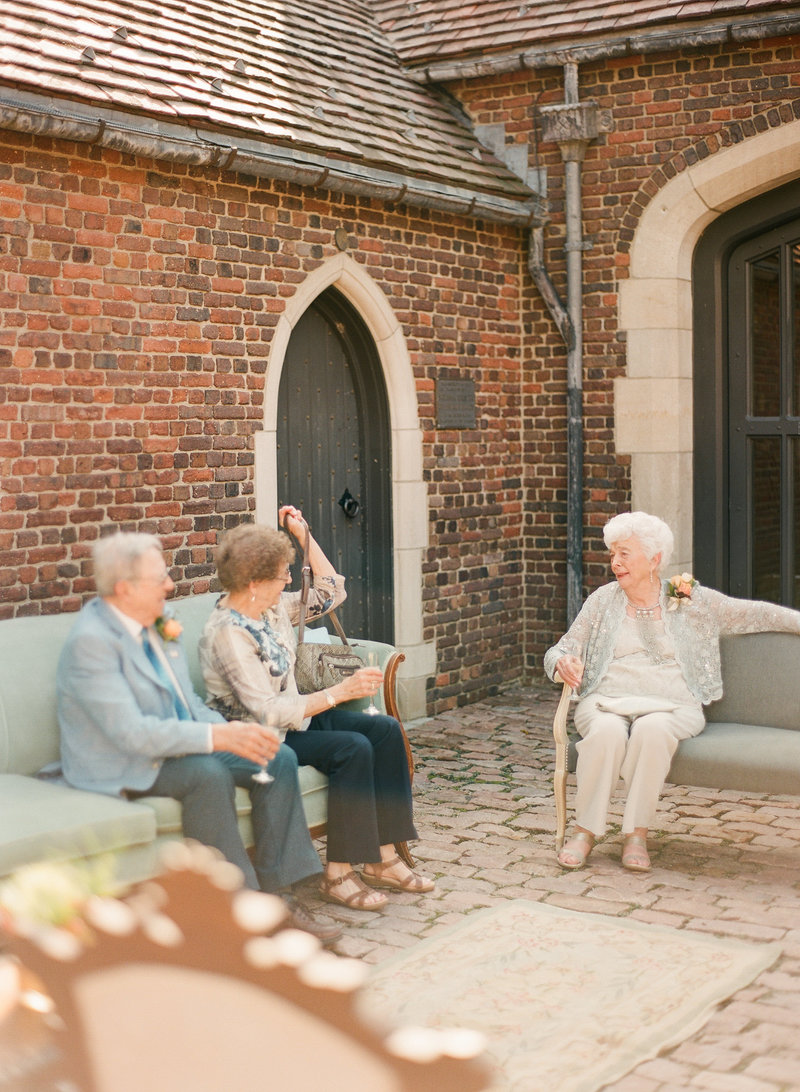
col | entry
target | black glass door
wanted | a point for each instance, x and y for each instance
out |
(764, 416)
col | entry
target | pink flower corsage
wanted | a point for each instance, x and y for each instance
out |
(170, 629)
(679, 588)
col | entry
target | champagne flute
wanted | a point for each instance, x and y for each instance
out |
(263, 776)
(372, 709)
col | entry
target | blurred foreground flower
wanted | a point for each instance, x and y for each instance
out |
(52, 894)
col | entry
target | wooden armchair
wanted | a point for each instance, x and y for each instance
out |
(189, 986)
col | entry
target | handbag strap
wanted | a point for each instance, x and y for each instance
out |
(305, 587)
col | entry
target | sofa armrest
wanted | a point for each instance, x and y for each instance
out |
(389, 660)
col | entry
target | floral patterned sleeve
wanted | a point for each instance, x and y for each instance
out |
(749, 615)
(326, 593)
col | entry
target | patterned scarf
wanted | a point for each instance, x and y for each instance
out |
(272, 649)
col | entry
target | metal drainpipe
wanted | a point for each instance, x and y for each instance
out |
(573, 152)
(572, 125)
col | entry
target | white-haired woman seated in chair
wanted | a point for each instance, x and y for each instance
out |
(643, 656)
(247, 652)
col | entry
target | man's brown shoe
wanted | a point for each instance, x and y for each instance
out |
(301, 918)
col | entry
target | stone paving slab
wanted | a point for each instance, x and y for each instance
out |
(723, 864)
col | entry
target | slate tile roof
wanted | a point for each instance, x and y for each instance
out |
(438, 30)
(318, 82)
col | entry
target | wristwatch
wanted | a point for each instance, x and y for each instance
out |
(329, 698)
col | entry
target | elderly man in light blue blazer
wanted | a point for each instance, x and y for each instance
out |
(132, 725)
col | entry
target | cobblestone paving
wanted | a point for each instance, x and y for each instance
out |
(722, 864)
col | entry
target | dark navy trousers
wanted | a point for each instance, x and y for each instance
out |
(369, 788)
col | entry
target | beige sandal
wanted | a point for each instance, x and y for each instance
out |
(413, 882)
(362, 899)
(580, 854)
(634, 853)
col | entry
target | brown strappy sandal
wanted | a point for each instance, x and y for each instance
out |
(413, 882)
(357, 900)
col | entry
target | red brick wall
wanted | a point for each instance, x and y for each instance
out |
(137, 306)
(138, 302)
(669, 110)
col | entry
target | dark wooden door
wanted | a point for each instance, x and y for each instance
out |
(764, 416)
(334, 458)
(745, 281)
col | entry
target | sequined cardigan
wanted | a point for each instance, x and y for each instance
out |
(694, 628)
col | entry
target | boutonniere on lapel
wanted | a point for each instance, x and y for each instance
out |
(169, 629)
(679, 589)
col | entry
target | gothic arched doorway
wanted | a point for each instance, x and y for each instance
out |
(334, 457)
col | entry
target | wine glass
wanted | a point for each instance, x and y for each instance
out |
(263, 776)
(372, 709)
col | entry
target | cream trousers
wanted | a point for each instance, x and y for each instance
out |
(638, 749)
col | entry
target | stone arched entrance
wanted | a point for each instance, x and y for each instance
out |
(653, 402)
(409, 495)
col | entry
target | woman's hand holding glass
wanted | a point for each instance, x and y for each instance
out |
(364, 683)
(570, 670)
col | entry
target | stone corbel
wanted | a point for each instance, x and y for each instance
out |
(574, 125)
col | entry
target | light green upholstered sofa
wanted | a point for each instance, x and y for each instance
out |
(43, 819)
(751, 742)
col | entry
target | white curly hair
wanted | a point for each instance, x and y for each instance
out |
(653, 535)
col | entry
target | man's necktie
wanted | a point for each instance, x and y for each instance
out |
(181, 711)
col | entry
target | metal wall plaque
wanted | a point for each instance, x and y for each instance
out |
(455, 403)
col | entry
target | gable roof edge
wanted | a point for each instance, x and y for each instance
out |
(581, 51)
(26, 112)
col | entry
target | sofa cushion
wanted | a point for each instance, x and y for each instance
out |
(755, 667)
(43, 820)
(167, 811)
(744, 757)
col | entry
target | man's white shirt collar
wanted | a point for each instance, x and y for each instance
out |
(133, 627)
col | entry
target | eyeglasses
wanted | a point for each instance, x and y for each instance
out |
(165, 576)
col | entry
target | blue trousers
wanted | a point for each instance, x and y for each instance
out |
(205, 786)
(369, 788)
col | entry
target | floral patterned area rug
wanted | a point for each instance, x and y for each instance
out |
(569, 1002)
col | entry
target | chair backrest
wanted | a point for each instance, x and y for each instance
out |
(760, 681)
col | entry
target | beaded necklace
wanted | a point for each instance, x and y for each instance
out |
(646, 625)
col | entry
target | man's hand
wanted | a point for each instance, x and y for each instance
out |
(248, 739)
